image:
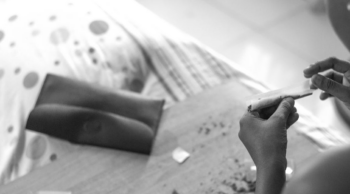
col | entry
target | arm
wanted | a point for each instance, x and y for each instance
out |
(270, 178)
(326, 173)
(265, 138)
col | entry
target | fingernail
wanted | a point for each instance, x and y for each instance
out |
(290, 100)
(347, 75)
(306, 71)
(312, 86)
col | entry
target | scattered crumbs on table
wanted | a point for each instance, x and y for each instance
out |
(241, 186)
(207, 130)
(224, 133)
(180, 155)
(215, 125)
(232, 176)
(222, 125)
(174, 192)
(200, 130)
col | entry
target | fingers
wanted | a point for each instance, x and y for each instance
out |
(336, 89)
(337, 77)
(330, 63)
(325, 95)
(284, 109)
(294, 110)
(292, 119)
(267, 112)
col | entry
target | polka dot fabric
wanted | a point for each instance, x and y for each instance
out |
(69, 38)
(98, 27)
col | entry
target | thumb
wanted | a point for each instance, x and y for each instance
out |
(284, 109)
(338, 90)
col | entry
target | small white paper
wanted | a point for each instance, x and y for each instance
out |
(180, 155)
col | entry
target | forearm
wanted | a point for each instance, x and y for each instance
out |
(270, 178)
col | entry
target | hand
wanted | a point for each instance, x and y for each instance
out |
(335, 82)
(265, 137)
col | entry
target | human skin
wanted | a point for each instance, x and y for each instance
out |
(265, 140)
(328, 173)
(265, 137)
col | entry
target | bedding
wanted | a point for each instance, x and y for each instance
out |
(116, 44)
(76, 40)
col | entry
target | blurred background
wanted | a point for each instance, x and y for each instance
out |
(273, 40)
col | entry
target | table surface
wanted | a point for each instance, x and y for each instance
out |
(205, 125)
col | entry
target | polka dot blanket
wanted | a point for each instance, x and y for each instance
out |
(114, 43)
(66, 38)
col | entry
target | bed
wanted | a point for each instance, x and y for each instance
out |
(115, 44)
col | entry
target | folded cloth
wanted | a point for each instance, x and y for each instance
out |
(88, 114)
(88, 126)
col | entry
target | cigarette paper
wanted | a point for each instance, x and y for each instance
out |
(264, 100)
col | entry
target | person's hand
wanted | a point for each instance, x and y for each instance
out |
(335, 82)
(265, 136)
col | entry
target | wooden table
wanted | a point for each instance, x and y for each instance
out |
(205, 125)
